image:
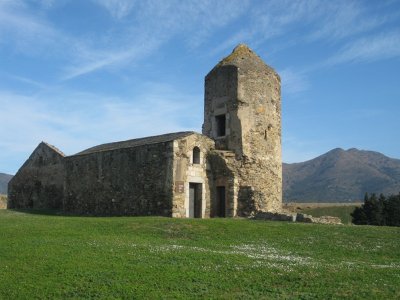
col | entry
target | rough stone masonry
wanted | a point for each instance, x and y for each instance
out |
(234, 168)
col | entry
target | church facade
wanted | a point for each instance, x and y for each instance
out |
(234, 168)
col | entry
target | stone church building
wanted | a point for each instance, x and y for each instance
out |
(234, 168)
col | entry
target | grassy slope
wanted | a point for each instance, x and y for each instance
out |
(77, 257)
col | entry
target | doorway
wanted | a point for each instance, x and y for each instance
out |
(221, 202)
(221, 125)
(195, 199)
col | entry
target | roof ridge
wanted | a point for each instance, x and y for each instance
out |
(245, 59)
(54, 148)
(155, 139)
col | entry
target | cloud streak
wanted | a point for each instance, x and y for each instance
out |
(140, 28)
(372, 48)
(118, 9)
(293, 82)
(86, 119)
(16, 24)
(153, 24)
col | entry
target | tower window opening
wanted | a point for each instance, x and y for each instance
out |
(196, 155)
(221, 125)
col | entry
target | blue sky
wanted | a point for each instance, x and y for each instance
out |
(80, 73)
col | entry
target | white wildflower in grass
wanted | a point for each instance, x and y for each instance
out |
(263, 255)
(389, 266)
(165, 248)
(269, 253)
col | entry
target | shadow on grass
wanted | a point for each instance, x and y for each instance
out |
(51, 212)
(45, 212)
(60, 213)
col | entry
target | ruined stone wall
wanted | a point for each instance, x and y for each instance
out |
(224, 175)
(247, 91)
(39, 182)
(260, 117)
(3, 202)
(220, 94)
(186, 171)
(127, 181)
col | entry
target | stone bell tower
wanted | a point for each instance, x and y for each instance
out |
(242, 113)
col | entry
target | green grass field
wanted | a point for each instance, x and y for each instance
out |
(48, 256)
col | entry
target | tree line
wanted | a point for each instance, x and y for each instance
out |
(380, 211)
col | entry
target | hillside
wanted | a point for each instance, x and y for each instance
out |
(341, 175)
(4, 179)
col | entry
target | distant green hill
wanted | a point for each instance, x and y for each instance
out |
(341, 176)
(4, 179)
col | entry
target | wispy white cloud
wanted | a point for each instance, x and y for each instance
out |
(242, 36)
(88, 60)
(47, 4)
(278, 17)
(312, 21)
(293, 82)
(343, 19)
(73, 121)
(150, 25)
(208, 16)
(17, 23)
(28, 32)
(272, 19)
(371, 48)
(117, 8)
(24, 80)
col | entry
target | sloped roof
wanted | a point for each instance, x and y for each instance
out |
(245, 59)
(54, 148)
(137, 142)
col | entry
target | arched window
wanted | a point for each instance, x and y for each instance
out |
(196, 155)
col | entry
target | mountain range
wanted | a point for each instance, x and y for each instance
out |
(340, 176)
(336, 176)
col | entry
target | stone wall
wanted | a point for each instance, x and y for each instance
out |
(38, 184)
(296, 217)
(224, 175)
(3, 201)
(187, 171)
(260, 116)
(220, 94)
(126, 181)
(247, 92)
